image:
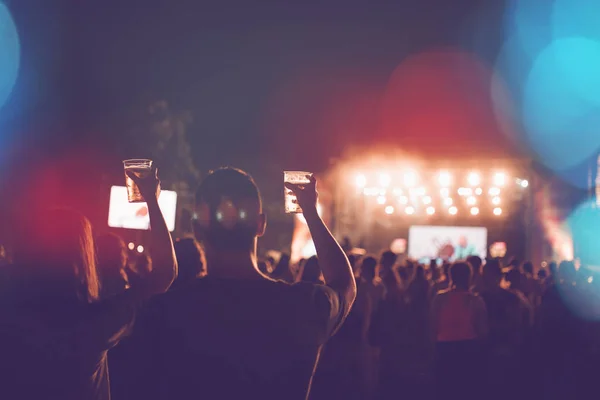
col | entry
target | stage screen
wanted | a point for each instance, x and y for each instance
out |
(122, 214)
(449, 243)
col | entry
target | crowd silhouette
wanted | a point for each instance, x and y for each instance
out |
(206, 317)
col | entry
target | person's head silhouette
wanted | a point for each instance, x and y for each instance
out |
(368, 268)
(56, 257)
(492, 273)
(461, 275)
(190, 259)
(229, 218)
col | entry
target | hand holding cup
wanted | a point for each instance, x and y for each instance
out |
(306, 193)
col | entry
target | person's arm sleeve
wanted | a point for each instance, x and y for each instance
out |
(326, 310)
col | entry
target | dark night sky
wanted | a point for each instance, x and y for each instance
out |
(272, 85)
(84, 62)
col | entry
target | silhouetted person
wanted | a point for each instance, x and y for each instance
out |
(310, 271)
(509, 320)
(459, 325)
(191, 262)
(112, 260)
(283, 270)
(476, 264)
(237, 334)
(54, 331)
(563, 336)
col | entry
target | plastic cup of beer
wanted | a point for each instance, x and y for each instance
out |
(298, 178)
(141, 168)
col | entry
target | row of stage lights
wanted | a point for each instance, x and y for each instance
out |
(445, 181)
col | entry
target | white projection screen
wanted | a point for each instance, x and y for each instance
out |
(122, 214)
(448, 243)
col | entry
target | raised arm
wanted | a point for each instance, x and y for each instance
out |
(164, 262)
(332, 259)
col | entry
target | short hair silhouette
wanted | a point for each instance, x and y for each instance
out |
(190, 259)
(461, 274)
(235, 186)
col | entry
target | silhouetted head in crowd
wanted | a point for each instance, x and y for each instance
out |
(190, 259)
(282, 270)
(263, 267)
(386, 267)
(492, 273)
(461, 275)
(542, 274)
(419, 275)
(112, 260)
(368, 268)
(567, 272)
(56, 257)
(310, 271)
(514, 263)
(229, 218)
(515, 278)
(476, 263)
(553, 268)
(528, 268)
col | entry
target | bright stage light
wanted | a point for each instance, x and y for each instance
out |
(140, 249)
(465, 191)
(453, 210)
(397, 191)
(496, 201)
(403, 200)
(131, 246)
(478, 191)
(590, 279)
(360, 181)
(448, 201)
(497, 211)
(494, 191)
(445, 192)
(471, 201)
(524, 183)
(500, 179)
(474, 179)
(420, 191)
(410, 178)
(474, 211)
(381, 200)
(444, 179)
(384, 180)
(409, 210)
(427, 200)
(430, 210)
(389, 210)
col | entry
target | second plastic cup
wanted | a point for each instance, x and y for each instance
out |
(295, 177)
(141, 168)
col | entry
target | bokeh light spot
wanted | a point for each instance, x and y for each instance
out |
(559, 105)
(576, 18)
(10, 50)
